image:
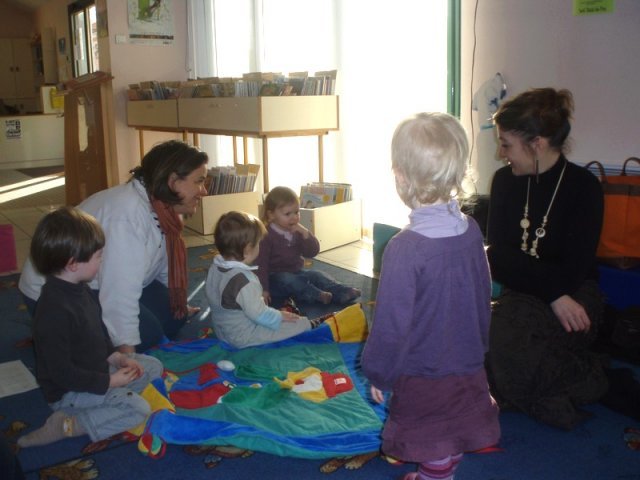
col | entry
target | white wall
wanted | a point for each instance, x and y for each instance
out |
(128, 63)
(15, 22)
(52, 17)
(133, 63)
(540, 43)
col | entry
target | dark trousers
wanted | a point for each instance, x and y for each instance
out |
(536, 367)
(10, 468)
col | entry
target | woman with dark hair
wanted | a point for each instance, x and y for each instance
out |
(545, 217)
(142, 284)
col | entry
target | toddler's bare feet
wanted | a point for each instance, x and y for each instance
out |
(348, 295)
(325, 297)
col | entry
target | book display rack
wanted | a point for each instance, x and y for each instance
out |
(246, 117)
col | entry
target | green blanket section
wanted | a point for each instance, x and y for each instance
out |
(270, 408)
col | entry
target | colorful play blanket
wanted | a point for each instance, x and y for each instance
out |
(302, 397)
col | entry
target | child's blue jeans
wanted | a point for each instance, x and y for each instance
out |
(304, 286)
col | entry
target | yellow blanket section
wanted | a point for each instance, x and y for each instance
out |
(157, 401)
(349, 324)
(307, 384)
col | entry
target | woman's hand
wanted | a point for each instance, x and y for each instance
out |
(377, 394)
(571, 314)
(127, 349)
(266, 296)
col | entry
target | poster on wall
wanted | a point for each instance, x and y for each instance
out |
(150, 22)
(12, 129)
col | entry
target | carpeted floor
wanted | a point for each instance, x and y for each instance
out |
(528, 450)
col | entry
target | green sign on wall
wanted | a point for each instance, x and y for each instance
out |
(592, 7)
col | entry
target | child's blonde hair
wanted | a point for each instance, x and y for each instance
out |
(276, 198)
(235, 231)
(429, 153)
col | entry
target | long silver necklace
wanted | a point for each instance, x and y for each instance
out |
(540, 231)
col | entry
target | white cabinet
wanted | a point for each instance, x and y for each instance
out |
(16, 69)
(29, 141)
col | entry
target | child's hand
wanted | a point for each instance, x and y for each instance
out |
(127, 362)
(301, 229)
(377, 394)
(289, 317)
(123, 377)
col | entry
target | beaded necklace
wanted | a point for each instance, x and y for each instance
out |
(540, 231)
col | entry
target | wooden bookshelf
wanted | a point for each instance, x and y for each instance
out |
(212, 207)
(245, 117)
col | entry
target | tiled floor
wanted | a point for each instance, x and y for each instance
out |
(25, 212)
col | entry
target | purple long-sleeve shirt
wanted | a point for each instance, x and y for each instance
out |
(279, 254)
(432, 308)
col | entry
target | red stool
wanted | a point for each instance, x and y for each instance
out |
(8, 259)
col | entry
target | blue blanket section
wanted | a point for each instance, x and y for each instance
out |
(351, 354)
(347, 424)
(182, 430)
(318, 335)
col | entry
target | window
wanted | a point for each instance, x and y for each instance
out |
(84, 37)
(392, 61)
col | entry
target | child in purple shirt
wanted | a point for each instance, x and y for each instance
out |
(430, 331)
(282, 251)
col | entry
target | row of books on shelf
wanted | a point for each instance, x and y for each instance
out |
(321, 194)
(253, 84)
(236, 179)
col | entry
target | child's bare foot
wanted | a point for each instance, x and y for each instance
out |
(325, 297)
(348, 295)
